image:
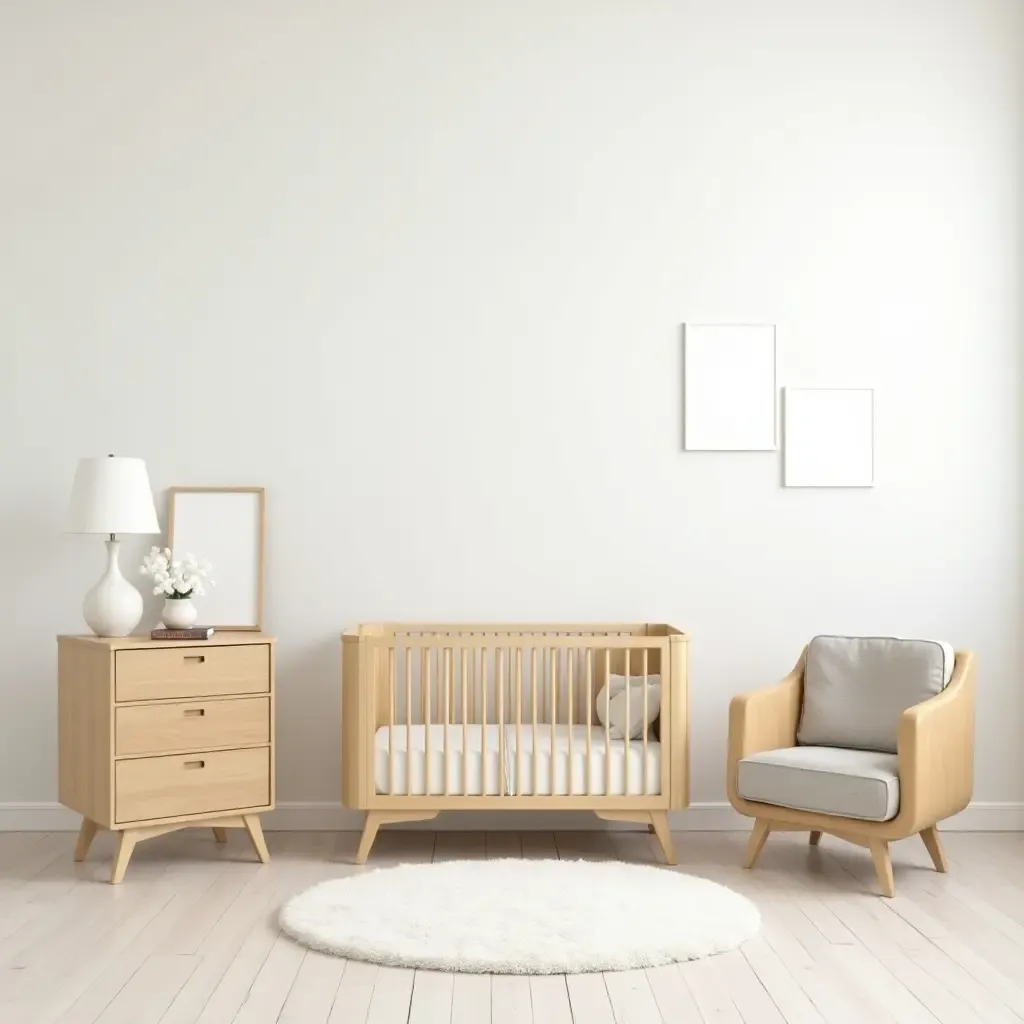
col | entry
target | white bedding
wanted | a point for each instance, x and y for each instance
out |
(484, 766)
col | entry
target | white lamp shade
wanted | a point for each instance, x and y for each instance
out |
(111, 494)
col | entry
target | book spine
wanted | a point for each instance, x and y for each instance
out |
(180, 634)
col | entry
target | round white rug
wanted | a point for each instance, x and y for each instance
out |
(521, 916)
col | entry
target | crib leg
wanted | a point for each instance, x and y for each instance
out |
(374, 820)
(659, 820)
(656, 822)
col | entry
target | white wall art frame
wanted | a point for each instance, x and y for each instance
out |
(829, 437)
(729, 389)
(225, 525)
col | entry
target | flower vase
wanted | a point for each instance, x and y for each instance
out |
(179, 613)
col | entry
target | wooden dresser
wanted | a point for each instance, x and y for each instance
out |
(160, 735)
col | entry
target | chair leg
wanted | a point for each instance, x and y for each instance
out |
(659, 822)
(86, 834)
(930, 836)
(220, 835)
(883, 866)
(255, 830)
(758, 836)
(815, 838)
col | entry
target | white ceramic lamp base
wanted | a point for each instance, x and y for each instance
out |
(113, 607)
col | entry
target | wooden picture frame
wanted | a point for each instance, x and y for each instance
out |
(227, 526)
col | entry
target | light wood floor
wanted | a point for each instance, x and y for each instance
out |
(191, 936)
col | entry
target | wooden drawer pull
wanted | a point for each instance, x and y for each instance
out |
(195, 764)
(197, 658)
(195, 712)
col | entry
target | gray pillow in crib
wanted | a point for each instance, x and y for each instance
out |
(614, 693)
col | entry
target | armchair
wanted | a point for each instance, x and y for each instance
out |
(867, 797)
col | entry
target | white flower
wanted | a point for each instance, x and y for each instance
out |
(158, 590)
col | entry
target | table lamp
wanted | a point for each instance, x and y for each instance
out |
(111, 495)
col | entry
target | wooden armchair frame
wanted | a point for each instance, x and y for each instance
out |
(935, 750)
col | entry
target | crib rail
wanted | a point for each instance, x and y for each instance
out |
(446, 716)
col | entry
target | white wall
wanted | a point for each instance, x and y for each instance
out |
(420, 269)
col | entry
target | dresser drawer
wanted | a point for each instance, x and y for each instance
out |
(165, 787)
(191, 671)
(192, 725)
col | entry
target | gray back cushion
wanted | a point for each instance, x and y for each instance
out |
(855, 688)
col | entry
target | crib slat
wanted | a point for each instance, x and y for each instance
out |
(425, 682)
(499, 671)
(607, 722)
(472, 686)
(569, 665)
(533, 712)
(554, 719)
(465, 728)
(590, 707)
(408, 722)
(447, 716)
(391, 719)
(519, 720)
(645, 721)
(629, 720)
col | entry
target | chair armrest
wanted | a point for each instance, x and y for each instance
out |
(935, 746)
(764, 720)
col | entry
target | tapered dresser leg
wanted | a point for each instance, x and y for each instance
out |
(125, 847)
(86, 834)
(220, 834)
(255, 830)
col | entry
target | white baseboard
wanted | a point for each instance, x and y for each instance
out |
(323, 816)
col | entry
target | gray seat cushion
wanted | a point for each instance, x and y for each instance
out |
(856, 688)
(852, 783)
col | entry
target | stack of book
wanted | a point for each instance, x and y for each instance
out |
(192, 633)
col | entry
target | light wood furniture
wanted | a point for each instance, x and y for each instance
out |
(156, 736)
(502, 690)
(935, 752)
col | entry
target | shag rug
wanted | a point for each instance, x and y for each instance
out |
(521, 916)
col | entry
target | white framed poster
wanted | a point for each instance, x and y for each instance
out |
(224, 525)
(729, 389)
(829, 437)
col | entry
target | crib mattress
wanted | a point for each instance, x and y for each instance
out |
(480, 765)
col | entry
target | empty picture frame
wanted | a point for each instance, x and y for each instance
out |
(829, 437)
(729, 388)
(224, 525)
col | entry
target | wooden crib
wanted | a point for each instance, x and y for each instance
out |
(480, 717)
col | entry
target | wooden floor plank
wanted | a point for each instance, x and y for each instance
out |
(588, 999)
(150, 991)
(631, 997)
(471, 998)
(550, 999)
(352, 1003)
(315, 988)
(510, 1000)
(431, 997)
(392, 994)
